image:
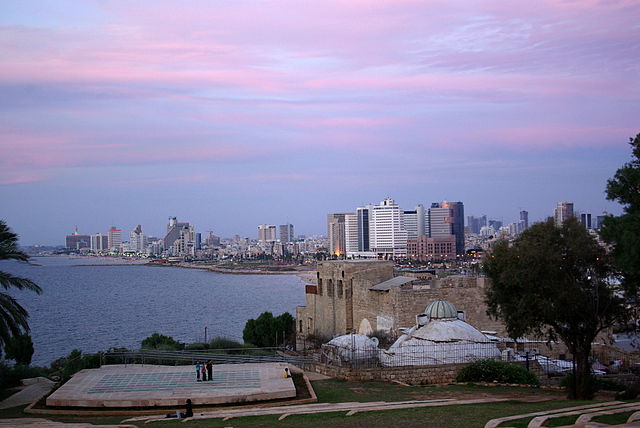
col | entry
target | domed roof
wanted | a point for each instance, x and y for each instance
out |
(441, 309)
(449, 331)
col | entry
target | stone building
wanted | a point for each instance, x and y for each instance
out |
(361, 295)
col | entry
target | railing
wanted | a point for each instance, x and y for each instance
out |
(217, 356)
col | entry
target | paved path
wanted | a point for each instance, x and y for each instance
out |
(45, 423)
(35, 390)
(301, 409)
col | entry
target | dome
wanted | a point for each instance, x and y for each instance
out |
(449, 331)
(441, 309)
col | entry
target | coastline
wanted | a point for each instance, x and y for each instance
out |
(308, 276)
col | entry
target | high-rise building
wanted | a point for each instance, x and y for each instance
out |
(76, 241)
(414, 222)
(562, 212)
(524, 220)
(600, 219)
(336, 234)
(364, 220)
(388, 236)
(114, 238)
(99, 242)
(267, 233)
(447, 218)
(476, 223)
(173, 232)
(286, 233)
(585, 219)
(351, 233)
(137, 240)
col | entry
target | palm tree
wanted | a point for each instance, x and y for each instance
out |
(13, 317)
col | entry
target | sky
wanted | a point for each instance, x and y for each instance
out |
(230, 114)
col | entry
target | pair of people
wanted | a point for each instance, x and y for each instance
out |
(204, 370)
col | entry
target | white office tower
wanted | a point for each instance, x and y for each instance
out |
(351, 233)
(563, 211)
(387, 233)
(99, 242)
(267, 233)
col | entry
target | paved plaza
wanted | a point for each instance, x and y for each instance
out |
(136, 385)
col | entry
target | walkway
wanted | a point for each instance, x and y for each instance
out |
(349, 408)
(36, 388)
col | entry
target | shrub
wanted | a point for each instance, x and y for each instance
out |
(591, 385)
(606, 384)
(630, 393)
(11, 376)
(198, 346)
(224, 343)
(496, 371)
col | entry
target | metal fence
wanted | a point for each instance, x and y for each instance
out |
(217, 356)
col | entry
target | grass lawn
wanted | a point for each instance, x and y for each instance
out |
(471, 415)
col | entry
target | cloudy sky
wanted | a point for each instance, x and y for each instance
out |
(233, 113)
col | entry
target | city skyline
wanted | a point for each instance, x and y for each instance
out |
(230, 115)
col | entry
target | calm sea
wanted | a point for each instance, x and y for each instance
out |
(93, 308)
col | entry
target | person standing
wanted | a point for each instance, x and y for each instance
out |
(198, 368)
(203, 370)
(210, 369)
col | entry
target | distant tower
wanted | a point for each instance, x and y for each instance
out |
(336, 233)
(114, 238)
(447, 218)
(563, 211)
(524, 219)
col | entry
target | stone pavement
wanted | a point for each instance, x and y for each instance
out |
(137, 385)
(36, 389)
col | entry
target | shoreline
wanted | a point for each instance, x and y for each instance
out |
(307, 276)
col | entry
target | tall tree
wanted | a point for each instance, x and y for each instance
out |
(623, 232)
(13, 317)
(555, 282)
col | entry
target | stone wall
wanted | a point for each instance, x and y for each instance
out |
(412, 375)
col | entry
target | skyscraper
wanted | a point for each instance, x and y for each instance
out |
(447, 218)
(351, 233)
(563, 211)
(286, 233)
(414, 222)
(585, 219)
(524, 219)
(114, 238)
(364, 219)
(173, 232)
(267, 233)
(387, 232)
(336, 234)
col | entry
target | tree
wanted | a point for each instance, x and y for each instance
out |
(267, 331)
(623, 232)
(160, 341)
(13, 317)
(555, 282)
(20, 349)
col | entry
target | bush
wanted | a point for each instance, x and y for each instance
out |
(198, 346)
(161, 342)
(606, 384)
(630, 393)
(11, 376)
(74, 362)
(496, 371)
(224, 343)
(592, 385)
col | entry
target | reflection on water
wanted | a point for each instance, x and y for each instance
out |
(92, 307)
